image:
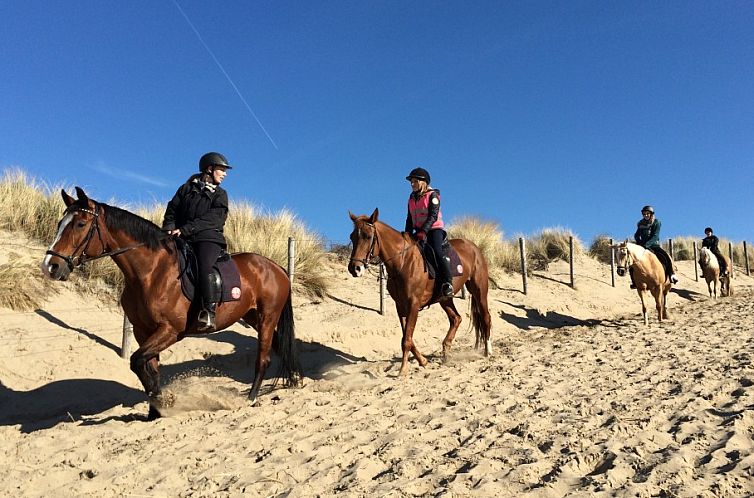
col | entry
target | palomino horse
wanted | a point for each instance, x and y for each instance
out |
(411, 288)
(152, 298)
(649, 276)
(710, 271)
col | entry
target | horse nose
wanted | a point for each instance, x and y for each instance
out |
(355, 270)
(620, 272)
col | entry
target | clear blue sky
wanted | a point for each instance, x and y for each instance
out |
(530, 114)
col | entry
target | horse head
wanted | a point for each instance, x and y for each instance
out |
(364, 241)
(74, 240)
(623, 259)
(707, 259)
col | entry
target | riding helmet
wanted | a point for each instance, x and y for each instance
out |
(419, 174)
(648, 208)
(708, 229)
(213, 159)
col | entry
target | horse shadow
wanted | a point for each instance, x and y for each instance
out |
(316, 360)
(550, 320)
(60, 323)
(59, 401)
(689, 295)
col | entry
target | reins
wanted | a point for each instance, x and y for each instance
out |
(370, 257)
(83, 257)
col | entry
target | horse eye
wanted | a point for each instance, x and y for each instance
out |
(81, 224)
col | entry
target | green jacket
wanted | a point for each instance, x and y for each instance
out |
(648, 233)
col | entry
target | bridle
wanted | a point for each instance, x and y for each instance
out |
(374, 241)
(370, 254)
(628, 261)
(73, 261)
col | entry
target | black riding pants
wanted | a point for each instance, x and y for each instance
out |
(435, 239)
(206, 255)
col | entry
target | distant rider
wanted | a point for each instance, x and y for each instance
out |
(711, 241)
(648, 236)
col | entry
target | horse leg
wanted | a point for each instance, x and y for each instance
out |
(266, 329)
(455, 321)
(145, 363)
(409, 324)
(643, 305)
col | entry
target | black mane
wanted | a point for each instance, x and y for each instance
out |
(140, 229)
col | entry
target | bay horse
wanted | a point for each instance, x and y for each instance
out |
(412, 289)
(152, 298)
(710, 271)
(649, 276)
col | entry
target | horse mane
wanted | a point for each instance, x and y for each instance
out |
(709, 258)
(140, 229)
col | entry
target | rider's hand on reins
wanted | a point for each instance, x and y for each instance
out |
(175, 231)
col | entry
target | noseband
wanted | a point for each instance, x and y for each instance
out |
(73, 261)
(628, 260)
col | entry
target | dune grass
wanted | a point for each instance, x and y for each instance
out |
(22, 286)
(34, 209)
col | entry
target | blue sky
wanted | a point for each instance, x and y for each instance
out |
(530, 114)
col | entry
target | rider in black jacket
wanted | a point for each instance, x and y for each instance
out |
(197, 213)
(711, 241)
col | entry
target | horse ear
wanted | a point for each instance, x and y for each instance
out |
(353, 216)
(81, 194)
(375, 215)
(67, 198)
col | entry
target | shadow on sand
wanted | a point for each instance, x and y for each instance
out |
(550, 320)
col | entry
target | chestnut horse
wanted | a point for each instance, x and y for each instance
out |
(412, 289)
(152, 298)
(649, 276)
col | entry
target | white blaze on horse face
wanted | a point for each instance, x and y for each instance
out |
(45, 266)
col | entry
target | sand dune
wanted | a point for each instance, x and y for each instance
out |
(580, 399)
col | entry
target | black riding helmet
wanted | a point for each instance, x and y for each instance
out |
(708, 229)
(649, 209)
(419, 174)
(213, 159)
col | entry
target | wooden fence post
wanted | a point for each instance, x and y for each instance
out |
(670, 248)
(128, 333)
(730, 255)
(570, 258)
(612, 264)
(522, 248)
(696, 262)
(746, 259)
(291, 257)
(383, 284)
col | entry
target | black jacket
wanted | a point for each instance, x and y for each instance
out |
(199, 210)
(711, 242)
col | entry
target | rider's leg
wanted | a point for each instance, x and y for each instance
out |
(206, 256)
(436, 238)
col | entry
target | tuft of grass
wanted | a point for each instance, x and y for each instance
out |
(551, 244)
(600, 249)
(22, 285)
(488, 236)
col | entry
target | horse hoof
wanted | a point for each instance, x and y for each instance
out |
(153, 414)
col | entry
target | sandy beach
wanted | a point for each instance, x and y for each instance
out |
(578, 399)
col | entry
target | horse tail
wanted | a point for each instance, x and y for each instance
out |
(477, 320)
(284, 344)
(480, 318)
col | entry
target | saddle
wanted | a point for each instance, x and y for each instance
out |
(225, 277)
(430, 260)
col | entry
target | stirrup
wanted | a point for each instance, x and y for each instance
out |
(206, 321)
(447, 290)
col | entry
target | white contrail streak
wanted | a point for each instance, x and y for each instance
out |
(222, 69)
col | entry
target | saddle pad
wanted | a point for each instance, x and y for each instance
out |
(456, 267)
(225, 266)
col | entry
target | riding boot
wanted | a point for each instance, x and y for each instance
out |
(447, 280)
(206, 319)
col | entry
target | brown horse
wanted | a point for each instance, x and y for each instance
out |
(152, 298)
(412, 289)
(649, 276)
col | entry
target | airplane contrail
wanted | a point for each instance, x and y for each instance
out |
(225, 73)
